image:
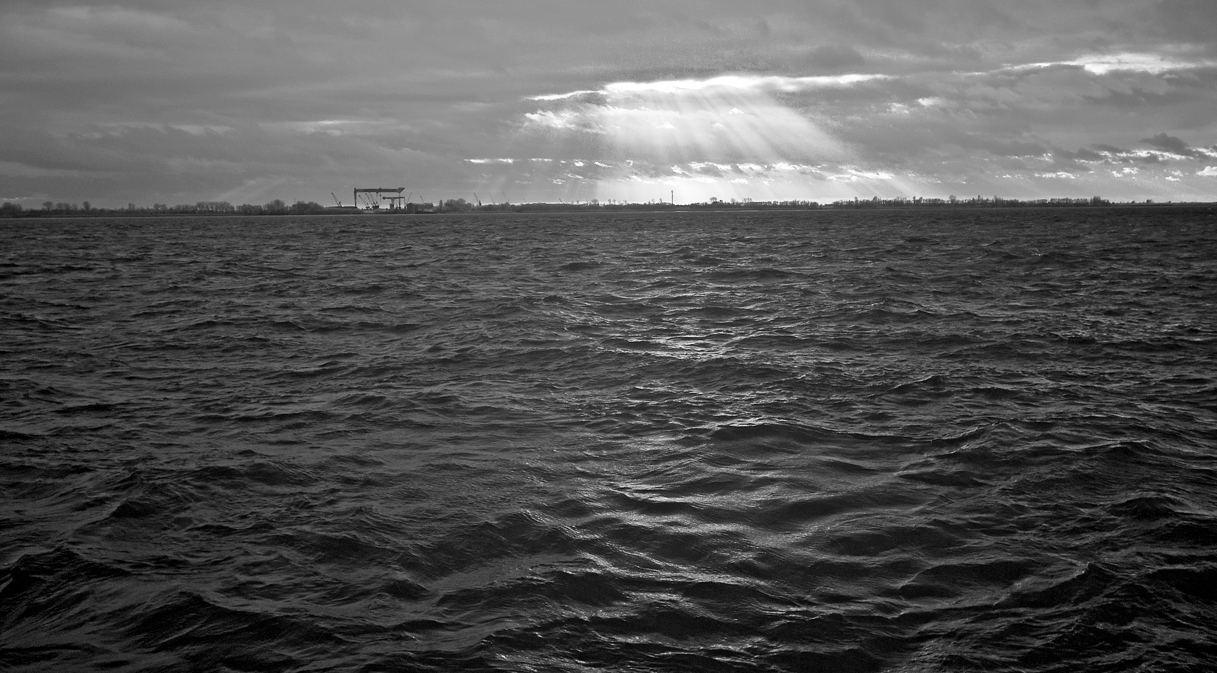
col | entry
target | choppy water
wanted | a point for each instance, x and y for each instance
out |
(839, 441)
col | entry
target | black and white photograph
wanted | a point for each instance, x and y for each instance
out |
(532, 336)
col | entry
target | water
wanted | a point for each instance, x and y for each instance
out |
(840, 441)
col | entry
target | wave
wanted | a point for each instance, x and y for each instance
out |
(755, 441)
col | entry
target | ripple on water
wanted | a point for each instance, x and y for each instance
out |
(825, 440)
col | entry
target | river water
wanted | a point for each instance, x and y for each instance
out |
(829, 440)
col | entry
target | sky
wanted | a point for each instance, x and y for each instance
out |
(176, 101)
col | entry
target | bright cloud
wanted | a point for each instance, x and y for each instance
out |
(553, 120)
(1103, 64)
(731, 123)
(739, 83)
(853, 175)
(1150, 63)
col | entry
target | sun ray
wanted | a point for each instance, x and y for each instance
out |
(728, 137)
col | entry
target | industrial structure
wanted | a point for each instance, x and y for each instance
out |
(395, 202)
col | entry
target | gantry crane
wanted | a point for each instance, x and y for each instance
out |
(378, 191)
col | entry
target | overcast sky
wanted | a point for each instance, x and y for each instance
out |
(177, 101)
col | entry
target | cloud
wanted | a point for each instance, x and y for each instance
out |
(833, 57)
(1166, 149)
(1103, 64)
(1172, 145)
(729, 118)
(554, 120)
(1187, 20)
(176, 100)
(20, 170)
(748, 83)
(853, 175)
(1208, 172)
(561, 96)
(123, 19)
(1084, 154)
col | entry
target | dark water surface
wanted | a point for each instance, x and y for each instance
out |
(839, 441)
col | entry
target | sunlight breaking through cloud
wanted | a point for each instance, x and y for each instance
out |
(735, 134)
(738, 82)
(1103, 64)
(829, 100)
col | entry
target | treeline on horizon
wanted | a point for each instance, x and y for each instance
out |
(85, 209)
(278, 207)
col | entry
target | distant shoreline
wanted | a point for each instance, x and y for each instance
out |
(542, 208)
